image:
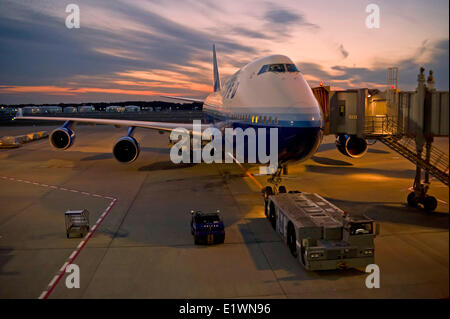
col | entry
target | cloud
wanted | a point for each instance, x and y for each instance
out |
(281, 21)
(251, 33)
(343, 51)
(118, 39)
(114, 38)
(282, 16)
(437, 54)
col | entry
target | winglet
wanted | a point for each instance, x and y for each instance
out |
(216, 71)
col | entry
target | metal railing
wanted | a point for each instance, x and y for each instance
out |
(392, 134)
(381, 125)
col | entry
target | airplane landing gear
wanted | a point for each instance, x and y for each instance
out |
(275, 179)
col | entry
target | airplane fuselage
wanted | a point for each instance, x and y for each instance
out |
(266, 93)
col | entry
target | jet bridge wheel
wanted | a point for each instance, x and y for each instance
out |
(413, 201)
(429, 203)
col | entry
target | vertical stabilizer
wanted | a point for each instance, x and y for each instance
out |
(216, 71)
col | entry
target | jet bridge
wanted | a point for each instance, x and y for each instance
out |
(408, 125)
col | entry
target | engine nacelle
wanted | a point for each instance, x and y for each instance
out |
(62, 138)
(351, 145)
(126, 149)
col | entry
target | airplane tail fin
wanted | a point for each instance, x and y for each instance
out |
(216, 71)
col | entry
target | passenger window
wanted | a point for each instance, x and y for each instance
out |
(276, 120)
(270, 120)
(292, 68)
(276, 68)
(256, 119)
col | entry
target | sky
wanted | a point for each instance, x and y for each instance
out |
(137, 50)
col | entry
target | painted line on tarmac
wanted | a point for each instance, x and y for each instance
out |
(247, 172)
(75, 253)
(54, 282)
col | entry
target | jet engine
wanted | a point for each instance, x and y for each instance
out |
(126, 149)
(351, 145)
(62, 138)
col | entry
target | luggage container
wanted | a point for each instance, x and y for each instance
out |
(77, 221)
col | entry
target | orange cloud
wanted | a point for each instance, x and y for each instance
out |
(56, 90)
(163, 78)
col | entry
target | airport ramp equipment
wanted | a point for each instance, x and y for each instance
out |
(17, 141)
(390, 133)
(77, 221)
(320, 235)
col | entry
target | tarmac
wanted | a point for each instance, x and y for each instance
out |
(141, 246)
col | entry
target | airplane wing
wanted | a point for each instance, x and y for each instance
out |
(187, 99)
(160, 126)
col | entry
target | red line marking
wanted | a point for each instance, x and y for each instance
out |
(77, 252)
(73, 256)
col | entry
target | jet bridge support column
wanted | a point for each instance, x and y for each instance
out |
(423, 137)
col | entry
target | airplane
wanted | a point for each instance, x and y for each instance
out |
(269, 92)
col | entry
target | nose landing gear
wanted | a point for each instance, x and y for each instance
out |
(275, 179)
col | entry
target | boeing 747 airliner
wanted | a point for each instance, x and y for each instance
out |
(269, 92)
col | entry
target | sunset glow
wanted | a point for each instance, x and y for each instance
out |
(131, 50)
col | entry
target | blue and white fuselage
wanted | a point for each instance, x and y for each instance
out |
(266, 93)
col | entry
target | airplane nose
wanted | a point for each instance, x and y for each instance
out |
(298, 144)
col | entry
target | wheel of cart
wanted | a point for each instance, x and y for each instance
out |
(302, 253)
(77, 221)
(267, 191)
(292, 239)
(271, 215)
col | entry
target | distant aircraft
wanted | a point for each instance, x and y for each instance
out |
(268, 92)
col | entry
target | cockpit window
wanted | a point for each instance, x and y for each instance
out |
(277, 68)
(263, 69)
(292, 68)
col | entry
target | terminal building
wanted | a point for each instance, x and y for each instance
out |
(132, 108)
(115, 109)
(86, 109)
(70, 109)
